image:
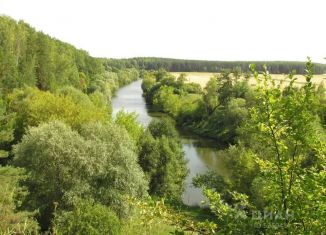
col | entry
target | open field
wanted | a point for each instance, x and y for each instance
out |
(203, 78)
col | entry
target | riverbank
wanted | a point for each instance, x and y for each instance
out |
(201, 153)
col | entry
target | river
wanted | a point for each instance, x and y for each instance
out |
(200, 153)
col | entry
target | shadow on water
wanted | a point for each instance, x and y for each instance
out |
(201, 153)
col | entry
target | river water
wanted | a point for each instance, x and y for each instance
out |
(201, 153)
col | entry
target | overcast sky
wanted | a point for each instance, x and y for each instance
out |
(191, 29)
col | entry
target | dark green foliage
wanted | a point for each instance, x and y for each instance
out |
(321, 94)
(87, 218)
(162, 160)
(163, 127)
(13, 220)
(177, 65)
(6, 130)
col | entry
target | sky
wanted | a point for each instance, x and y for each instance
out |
(188, 29)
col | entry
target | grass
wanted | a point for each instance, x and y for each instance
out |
(203, 78)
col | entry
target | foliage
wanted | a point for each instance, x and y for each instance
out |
(233, 219)
(217, 112)
(87, 218)
(181, 65)
(162, 160)
(156, 216)
(69, 105)
(148, 82)
(210, 98)
(286, 125)
(32, 58)
(278, 168)
(35, 59)
(166, 100)
(82, 168)
(6, 130)
(13, 220)
(162, 127)
(321, 94)
(99, 164)
(129, 121)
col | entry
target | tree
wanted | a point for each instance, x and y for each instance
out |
(210, 97)
(28, 57)
(181, 79)
(162, 160)
(321, 96)
(99, 164)
(165, 100)
(278, 165)
(163, 127)
(285, 122)
(148, 82)
(6, 130)
(13, 220)
(129, 121)
(87, 218)
(225, 87)
(8, 59)
(69, 105)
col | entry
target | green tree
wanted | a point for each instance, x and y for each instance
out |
(278, 167)
(129, 121)
(68, 105)
(148, 82)
(87, 218)
(8, 59)
(162, 159)
(210, 97)
(285, 123)
(98, 164)
(165, 100)
(13, 220)
(6, 130)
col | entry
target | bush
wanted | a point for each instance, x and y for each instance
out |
(87, 219)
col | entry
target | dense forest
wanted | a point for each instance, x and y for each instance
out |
(68, 167)
(178, 65)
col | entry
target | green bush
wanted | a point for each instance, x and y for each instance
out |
(87, 218)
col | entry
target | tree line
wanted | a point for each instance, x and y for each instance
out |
(181, 65)
(32, 58)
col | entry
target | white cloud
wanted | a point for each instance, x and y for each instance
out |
(194, 29)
